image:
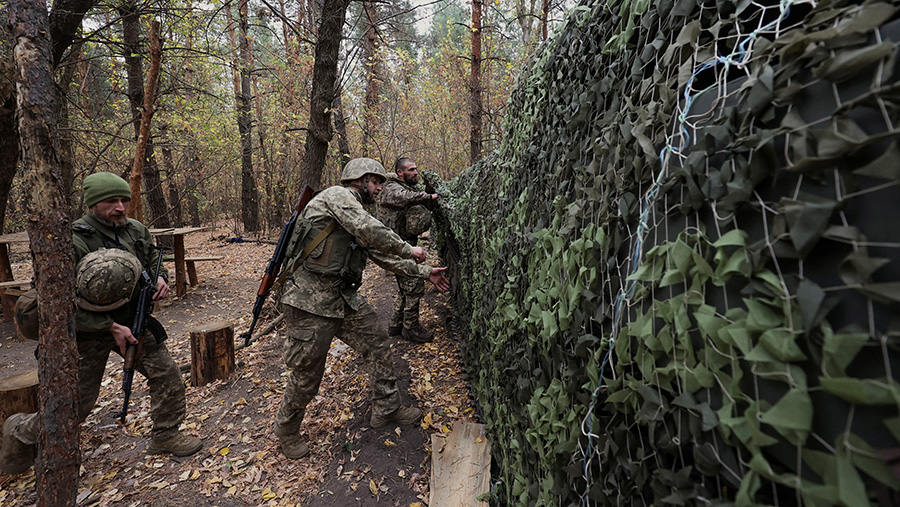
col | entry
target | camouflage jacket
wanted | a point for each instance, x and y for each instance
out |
(318, 294)
(395, 199)
(89, 234)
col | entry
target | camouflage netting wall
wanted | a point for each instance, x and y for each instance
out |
(678, 277)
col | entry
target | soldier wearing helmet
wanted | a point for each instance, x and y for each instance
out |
(401, 207)
(333, 238)
(110, 252)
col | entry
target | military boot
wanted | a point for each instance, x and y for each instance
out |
(174, 443)
(403, 416)
(417, 334)
(293, 447)
(16, 455)
(395, 331)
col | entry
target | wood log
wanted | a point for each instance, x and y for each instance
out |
(461, 464)
(212, 352)
(18, 393)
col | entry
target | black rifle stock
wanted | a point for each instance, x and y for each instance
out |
(274, 266)
(138, 327)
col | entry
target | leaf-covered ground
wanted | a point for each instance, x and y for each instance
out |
(350, 463)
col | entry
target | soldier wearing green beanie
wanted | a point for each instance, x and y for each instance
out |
(101, 186)
(103, 328)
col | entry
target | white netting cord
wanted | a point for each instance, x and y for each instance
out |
(676, 143)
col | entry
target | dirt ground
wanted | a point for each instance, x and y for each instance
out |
(350, 464)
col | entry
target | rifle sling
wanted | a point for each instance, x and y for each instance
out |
(318, 239)
(304, 254)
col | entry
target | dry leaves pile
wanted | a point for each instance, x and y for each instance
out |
(241, 463)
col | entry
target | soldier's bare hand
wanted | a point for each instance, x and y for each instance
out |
(122, 335)
(418, 254)
(434, 196)
(438, 280)
(162, 289)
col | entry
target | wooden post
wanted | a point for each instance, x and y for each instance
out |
(460, 466)
(18, 393)
(212, 352)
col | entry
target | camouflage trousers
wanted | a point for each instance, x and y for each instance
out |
(306, 347)
(167, 405)
(406, 303)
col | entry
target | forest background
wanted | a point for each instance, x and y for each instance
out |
(233, 96)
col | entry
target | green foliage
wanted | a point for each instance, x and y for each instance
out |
(674, 279)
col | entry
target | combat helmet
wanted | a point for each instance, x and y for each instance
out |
(359, 167)
(418, 220)
(105, 279)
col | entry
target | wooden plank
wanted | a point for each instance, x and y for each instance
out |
(15, 283)
(207, 258)
(460, 467)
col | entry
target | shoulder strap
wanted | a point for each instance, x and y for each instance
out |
(318, 239)
(282, 276)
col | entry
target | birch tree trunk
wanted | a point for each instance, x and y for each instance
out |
(52, 252)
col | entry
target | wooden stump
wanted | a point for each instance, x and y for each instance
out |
(18, 393)
(212, 352)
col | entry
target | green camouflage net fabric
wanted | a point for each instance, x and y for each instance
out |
(678, 277)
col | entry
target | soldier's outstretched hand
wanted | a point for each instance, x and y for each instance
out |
(438, 280)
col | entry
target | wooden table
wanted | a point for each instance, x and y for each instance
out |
(6, 274)
(178, 235)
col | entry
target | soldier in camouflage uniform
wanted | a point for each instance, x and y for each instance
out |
(400, 207)
(110, 252)
(326, 256)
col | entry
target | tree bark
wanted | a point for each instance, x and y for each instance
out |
(340, 125)
(249, 197)
(176, 213)
(475, 115)
(372, 66)
(322, 94)
(9, 132)
(545, 17)
(65, 20)
(144, 164)
(52, 253)
(66, 153)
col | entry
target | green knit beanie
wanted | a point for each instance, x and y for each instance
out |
(99, 186)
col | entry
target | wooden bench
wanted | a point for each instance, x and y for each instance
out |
(192, 269)
(9, 292)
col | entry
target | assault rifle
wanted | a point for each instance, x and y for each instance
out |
(274, 266)
(138, 327)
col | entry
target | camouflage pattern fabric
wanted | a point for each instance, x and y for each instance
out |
(167, 402)
(406, 303)
(395, 200)
(306, 347)
(89, 234)
(320, 294)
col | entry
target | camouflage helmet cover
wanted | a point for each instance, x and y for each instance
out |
(418, 220)
(359, 167)
(105, 279)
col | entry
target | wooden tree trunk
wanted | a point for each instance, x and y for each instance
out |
(372, 67)
(138, 169)
(9, 132)
(18, 394)
(53, 255)
(212, 352)
(322, 94)
(476, 113)
(340, 125)
(249, 197)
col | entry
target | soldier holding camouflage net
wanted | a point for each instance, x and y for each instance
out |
(110, 252)
(401, 207)
(333, 238)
